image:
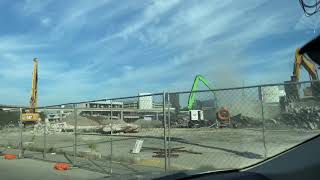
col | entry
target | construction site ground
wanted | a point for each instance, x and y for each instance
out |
(200, 149)
(38, 170)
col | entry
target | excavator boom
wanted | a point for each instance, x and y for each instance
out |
(312, 49)
(34, 92)
(195, 87)
(304, 61)
(32, 116)
(308, 57)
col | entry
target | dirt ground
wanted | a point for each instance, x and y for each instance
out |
(203, 148)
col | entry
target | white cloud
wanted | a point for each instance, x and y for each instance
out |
(150, 14)
(196, 22)
(74, 18)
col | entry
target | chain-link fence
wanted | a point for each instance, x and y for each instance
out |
(292, 119)
(11, 133)
(211, 132)
(125, 134)
(201, 130)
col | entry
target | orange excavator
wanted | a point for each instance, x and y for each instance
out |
(31, 116)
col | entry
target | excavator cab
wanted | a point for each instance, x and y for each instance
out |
(30, 118)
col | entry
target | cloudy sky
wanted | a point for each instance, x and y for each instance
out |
(107, 48)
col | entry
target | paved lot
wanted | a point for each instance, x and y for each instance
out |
(34, 170)
(210, 148)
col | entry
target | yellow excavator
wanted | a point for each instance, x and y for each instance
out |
(310, 67)
(32, 117)
(302, 60)
(307, 57)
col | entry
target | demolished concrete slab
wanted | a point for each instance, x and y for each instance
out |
(297, 116)
(117, 128)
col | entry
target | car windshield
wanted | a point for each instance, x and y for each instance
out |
(136, 87)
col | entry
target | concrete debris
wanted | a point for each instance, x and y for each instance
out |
(52, 128)
(241, 121)
(117, 128)
(59, 127)
(298, 116)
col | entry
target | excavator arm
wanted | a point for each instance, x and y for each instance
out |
(308, 56)
(312, 49)
(34, 91)
(32, 116)
(304, 61)
(195, 87)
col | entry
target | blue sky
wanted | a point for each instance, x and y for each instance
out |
(107, 48)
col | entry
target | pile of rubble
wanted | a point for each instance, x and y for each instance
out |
(244, 121)
(52, 128)
(297, 116)
(120, 128)
(300, 116)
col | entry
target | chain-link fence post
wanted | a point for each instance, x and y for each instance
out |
(263, 121)
(75, 134)
(111, 133)
(164, 131)
(169, 128)
(21, 153)
(44, 138)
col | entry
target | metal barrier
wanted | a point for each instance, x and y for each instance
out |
(11, 134)
(221, 129)
(292, 119)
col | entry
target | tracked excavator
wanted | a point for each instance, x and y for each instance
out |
(196, 114)
(307, 57)
(197, 110)
(195, 86)
(30, 116)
